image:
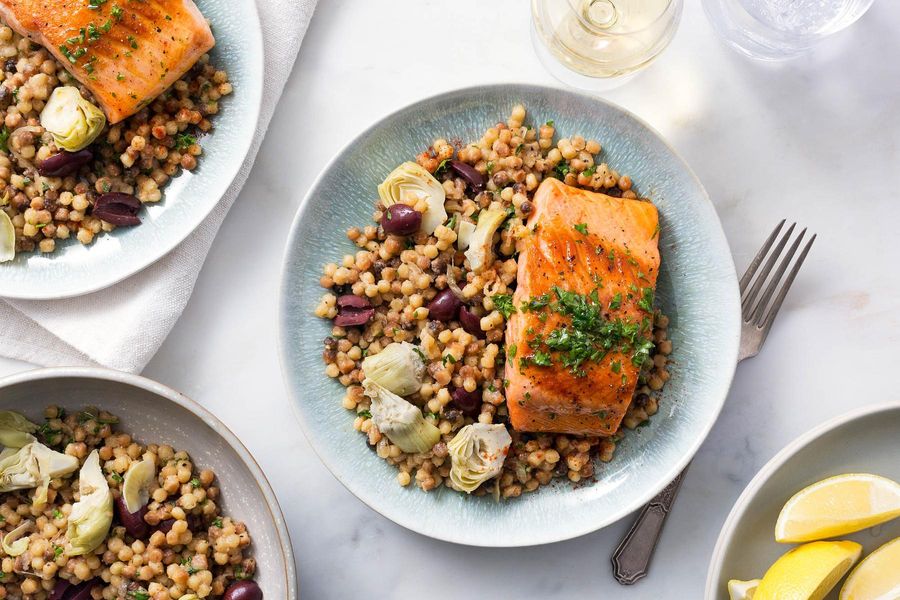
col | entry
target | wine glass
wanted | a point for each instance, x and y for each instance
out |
(600, 44)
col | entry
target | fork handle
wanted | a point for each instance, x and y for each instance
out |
(632, 557)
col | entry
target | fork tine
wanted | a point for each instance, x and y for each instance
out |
(750, 298)
(760, 308)
(776, 305)
(748, 274)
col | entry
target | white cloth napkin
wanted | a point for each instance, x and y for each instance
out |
(123, 326)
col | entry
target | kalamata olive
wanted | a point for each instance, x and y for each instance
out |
(471, 322)
(64, 163)
(444, 306)
(400, 219)
(470, 174)
(63, 590)
(134, 523)
(118, 209)
(353, 310)
(243, 590)
(165, 525)
(468, 402)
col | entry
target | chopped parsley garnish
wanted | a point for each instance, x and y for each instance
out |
(4, 138)
(138, 594)
(57, 513)
(561, 170)
(183, 141)
(57, 550)
(589, 336)
(117, 12)
(600, 414)
(217, 522)
(646, 301)
(504, 304)
(442, 168)
(519, 148)
(421, 354)
(489, 167)
(580, 228)
(451, 224)
(511, 352)
(117, 478)
(551, 123)
(132, 41)
(95, 4)
(187, 563)
(195, 483)
(655, 232)
(589, 172)
(541, 359)
(448, 358)
(616, 302)
(364, 414)
(616, 366)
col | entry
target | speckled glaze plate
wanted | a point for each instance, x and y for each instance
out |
(861, 441)
(153, 413)
(75, 269)
(697, 288)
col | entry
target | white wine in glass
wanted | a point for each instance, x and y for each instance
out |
(590, 43)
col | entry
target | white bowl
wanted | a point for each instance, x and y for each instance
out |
(152, 412)
(862, 441)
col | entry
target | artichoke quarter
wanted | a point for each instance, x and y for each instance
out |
(398, 368)
(33, 466)
(399, 420)
(411, 181)
(477, 453)
(480, 253)
(73, 121)
(91, 516)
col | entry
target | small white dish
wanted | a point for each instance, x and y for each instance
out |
(861, 441)
(152, 412)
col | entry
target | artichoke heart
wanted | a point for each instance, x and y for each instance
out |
(464, 232)
(411, 181)
(480, 253)
(92, 515)
(33, 466)
(399, 368)
(15, 430)
(7, 238)
(136, 486)
(399, 420)
(477, 454)
(73, 121)
(16, 542)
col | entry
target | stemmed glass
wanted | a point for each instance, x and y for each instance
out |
(599, 44)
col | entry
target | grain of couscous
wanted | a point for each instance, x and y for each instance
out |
(410, 288)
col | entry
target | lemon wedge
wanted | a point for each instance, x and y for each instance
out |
(808, 572)
(742, 590)
(837, 506)
(135, 488)
(7, 238)
(877, 577)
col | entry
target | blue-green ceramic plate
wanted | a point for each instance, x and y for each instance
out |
(697, 288)
(75, 269)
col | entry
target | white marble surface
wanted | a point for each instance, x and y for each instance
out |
(816, 140)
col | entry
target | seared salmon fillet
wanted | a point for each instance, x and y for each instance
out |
(585, 284)
(126, 52)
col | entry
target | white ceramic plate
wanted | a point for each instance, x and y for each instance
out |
(863, 441)
(75, 269)
(697, 289)
(152, 412)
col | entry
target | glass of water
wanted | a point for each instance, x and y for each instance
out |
(599, 44)
(780, 29)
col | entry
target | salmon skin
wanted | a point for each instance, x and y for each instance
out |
(584, 300)
(126, 52)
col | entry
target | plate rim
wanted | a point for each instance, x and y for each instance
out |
(283, 350)
(104, 278)
(762, 476)
(176, 397)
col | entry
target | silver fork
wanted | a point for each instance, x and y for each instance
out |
(631, 558)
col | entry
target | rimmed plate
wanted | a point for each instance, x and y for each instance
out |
(152, 412)
(75, 269)
(861, 441)
(697, 288)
